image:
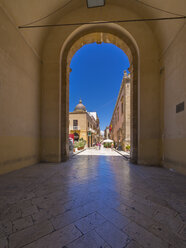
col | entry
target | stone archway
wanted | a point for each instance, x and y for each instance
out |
(108, 33)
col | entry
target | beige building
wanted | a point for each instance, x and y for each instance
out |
(107, 133)
(84, 125)
(120, 122)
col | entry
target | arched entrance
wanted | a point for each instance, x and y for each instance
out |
(142, 52)
(108, 33)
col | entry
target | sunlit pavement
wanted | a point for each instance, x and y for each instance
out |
(95, 151)
(92, 201)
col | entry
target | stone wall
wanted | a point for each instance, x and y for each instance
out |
(127, 114)
(173, 78)
(19, 98)
(121, 118)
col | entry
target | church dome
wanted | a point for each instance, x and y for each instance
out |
(80, 107)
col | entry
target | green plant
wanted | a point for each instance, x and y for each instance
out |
(80, 143)
(127, 147)
(107, 145)
(75, 144)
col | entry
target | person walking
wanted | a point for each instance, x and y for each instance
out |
(99, 145)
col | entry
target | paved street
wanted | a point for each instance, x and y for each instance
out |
(101, 152)
(92, 201)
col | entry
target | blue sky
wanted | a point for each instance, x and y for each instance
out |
(97, 72)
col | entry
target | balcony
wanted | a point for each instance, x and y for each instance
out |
(74, 128)
(91, 130)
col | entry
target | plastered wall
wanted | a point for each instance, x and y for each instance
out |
(19, 99)
(82, 120)
(174, 92)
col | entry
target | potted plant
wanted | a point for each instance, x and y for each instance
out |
(127, 148)
(107, 145)
(81, 144)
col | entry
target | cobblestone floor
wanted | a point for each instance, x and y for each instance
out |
(92, 201)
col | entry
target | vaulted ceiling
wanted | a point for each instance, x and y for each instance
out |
(22, 12)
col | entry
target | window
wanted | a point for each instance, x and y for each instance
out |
(75, 124)
(117, 113)
(122, 106)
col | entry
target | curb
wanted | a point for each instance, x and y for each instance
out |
(78, 152)
(127, 158)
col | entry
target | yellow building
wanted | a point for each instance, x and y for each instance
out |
(84, 125)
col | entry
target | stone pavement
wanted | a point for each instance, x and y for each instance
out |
(92, 201)
(101, 152)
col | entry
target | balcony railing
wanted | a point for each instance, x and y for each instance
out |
(75, 128)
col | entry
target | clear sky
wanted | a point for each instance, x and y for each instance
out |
(97, 72)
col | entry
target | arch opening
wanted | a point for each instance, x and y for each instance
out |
(99, 78)
(111, 33)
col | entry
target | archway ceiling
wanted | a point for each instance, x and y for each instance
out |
(22, 12)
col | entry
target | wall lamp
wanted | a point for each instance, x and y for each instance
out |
(95, 3)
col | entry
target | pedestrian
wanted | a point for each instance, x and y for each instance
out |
(99, 145)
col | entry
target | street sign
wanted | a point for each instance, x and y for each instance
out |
(89, 133)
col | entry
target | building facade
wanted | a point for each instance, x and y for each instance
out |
(106, 133)
(83, 124)
(120, 122)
